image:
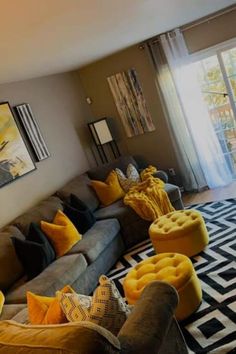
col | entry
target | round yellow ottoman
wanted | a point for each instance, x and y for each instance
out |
(173, 268)
(181, 231)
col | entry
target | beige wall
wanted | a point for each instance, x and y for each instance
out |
(59, 108)
(157, 146)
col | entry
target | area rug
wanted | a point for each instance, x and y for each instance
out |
(212, 329)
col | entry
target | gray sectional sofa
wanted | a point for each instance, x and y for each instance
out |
(117, 228)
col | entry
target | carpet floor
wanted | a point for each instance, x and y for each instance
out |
(212, 328)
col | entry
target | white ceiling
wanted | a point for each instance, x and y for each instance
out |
(40, 37)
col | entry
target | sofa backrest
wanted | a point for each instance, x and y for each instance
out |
(45, 210)
(80, 186)
(101, 172)
(10, 267)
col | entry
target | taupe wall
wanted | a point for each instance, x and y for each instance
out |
(157, 146)
(210, 33)
(58, 105)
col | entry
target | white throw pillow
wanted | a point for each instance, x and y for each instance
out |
(132, 177)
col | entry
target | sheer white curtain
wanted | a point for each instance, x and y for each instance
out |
(202, 158)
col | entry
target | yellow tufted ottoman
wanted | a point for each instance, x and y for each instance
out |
(181, 231)
(173, 268)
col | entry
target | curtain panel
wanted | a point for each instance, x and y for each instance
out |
(198, 151)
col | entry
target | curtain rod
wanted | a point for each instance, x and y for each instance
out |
(196, 23)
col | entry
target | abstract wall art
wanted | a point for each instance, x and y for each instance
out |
(130, 102)
(32, 131)
(15, 160)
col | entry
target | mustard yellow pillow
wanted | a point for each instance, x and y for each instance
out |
(109, 191)
(62, 233)
(46, 310)
(2, 299)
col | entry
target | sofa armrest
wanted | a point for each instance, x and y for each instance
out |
(147, 326)
(162, 175)
(143, 163)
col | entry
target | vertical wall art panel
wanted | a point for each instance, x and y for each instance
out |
(130, 103)
(32, 131)
(15, 160)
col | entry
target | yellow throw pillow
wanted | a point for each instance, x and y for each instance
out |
(109, 191)
(62, 233)
(2, 299)
(46, 310)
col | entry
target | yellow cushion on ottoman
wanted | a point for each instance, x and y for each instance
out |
(172, 268)
(181, 231)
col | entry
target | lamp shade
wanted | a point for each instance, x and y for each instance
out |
(100, 131)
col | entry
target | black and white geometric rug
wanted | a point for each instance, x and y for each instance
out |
(212, 329)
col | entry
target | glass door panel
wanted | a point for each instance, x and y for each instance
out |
(218, 86)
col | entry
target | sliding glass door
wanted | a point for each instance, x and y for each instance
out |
(217, 78)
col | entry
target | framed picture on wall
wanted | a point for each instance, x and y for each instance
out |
(32, 131)
(130, 103)
(15, 159)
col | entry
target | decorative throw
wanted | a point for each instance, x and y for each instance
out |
(106, 308)
(132, 177)
(46, 310)
(148, 198)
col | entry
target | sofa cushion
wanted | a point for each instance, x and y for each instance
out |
(96, 239)
(117, 210)
(173, 192)
(45, 210)
(80, 186)
(33, 256)
(63, 271)
(78, 212)
(10, 311)
(106, 307)
(129, 180)
(2, 300)
(10, 267)
(101, 172)
(62, 233)
(108, 191)
(46, 309)
(36, 235)
(133, 228)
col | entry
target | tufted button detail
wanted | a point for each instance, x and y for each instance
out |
(176, 269)
(177, 221)
(181, 231)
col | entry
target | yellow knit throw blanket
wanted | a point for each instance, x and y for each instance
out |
(148, 198)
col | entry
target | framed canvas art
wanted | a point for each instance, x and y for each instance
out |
(32, 131)
(130, 103)
(15, 159)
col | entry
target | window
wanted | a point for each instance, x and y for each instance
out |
(217, 77)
